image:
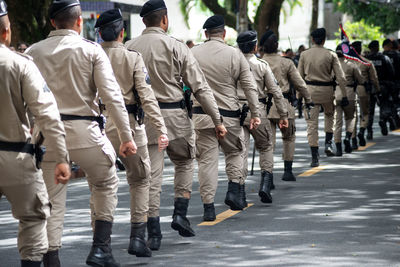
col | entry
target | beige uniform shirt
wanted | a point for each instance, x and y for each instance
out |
(370, 75)
(22, 87)
(170, 64)
(353, 75)
(224, 66)
(319, 64)
(131, 73)
(76, 70)
(266, 83)
(286, 73)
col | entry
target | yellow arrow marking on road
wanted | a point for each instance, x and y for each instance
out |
(362, 148)
(312, 171)
(396, 131)
(224, 215)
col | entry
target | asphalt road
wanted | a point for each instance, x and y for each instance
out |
(346, 214)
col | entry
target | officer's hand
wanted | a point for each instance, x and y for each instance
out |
(162, 142)
(127, 149)
(62, 173)
(283, 124)
(344, 101)
(221, 131)
(254, 123)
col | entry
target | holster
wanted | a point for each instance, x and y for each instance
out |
(269, 103)
(243, 114)
(188, 102)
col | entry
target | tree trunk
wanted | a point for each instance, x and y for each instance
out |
(216, 8)
(243, 19)
(269, 16)
(314, 18)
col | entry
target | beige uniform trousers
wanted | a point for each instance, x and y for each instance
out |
(263, 142)
(288, 138)
(98, 162)
(364, 106)
(356, 115)
(29, 204)
(138, 175)
(312, 121)
(348, 112)
(181, 152)
(207, 157)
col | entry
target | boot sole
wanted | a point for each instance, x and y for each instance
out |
(143, 252)
(265, 198)
(153, 248)
(233, 205)
(314, 165)
(288, 179)
(209, 219)
(182, 230)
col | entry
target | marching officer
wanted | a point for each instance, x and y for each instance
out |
(286, 73)
(224, 67)
(131, 74)
(21, 181)
(76, 70)
(319, 66)
(353, 78)
(171, 64)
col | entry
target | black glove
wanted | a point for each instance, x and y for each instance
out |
(344, 102)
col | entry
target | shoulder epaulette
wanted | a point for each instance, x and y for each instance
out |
(91, 42)
(134, 51)
(263, 61)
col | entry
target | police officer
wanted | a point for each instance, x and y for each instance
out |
(131, 74)
(365, 91)
(224, 67)
(287, 75)
(317, 66)
(386, 76)
(353, 78)
(170, 64)
(21, 181)
(76, 70)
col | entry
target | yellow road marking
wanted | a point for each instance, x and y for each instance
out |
(312, 171)
(362, 148)
(396, 131)
(224, 215)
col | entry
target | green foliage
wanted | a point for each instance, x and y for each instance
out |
(292, 5)
(385, 15)
(361, 31)
(187, 5)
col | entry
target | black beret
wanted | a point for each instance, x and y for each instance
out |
(3, 8)
(247, 37)
(213, 22)
(60, 5)
(152, 6)
(265, 37)
(373, 44)
(319, 33)
(386, 42)
(108, 17)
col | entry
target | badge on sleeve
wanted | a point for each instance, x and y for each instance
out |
(147, 75)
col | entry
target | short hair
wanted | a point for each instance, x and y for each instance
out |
(318, 40)
(111, 31)
(154, 18)
(374, 44)
(66, 18)
(247, 47)
(215, 31)
(386, 42)
(271, 44)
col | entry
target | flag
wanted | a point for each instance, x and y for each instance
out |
(348, 51)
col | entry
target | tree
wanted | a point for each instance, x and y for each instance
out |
(384, 14)
(360, 31)
(314, 17)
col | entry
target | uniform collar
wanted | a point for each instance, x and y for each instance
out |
(218, 39)
(319, 46)
(112, 44)
(271, 55)
(63, 32)
(249, 55)
(154, 30)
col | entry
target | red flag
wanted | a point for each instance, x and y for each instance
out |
(348, 51)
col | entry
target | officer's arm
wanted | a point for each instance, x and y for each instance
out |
(390, 68)
(110, 93)
(273, 88)
(357, 75)
(298, 82)
(146, 95)
(43, 106)
(373, 76)
(339, 74)
(300, 67)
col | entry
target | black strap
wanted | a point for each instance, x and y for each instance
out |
(263, 100)
(223, 112)
(317, 83)
(132, 109)
(65, 117)
(173, 105)
(286, 95)
(17, 147)
(352, 85)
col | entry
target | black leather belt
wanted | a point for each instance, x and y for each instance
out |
(317, 83)
(17, 147)
(132, 109)
(98, 119)
(263, 100)
(352, 85)
(173, 105)
(223, 112)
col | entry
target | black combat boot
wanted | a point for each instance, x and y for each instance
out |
(328, 145)
(370, 134)
(315, 156)
(137, 244)
(392, 124)
(339, 151)
(242, 193)
(232, 198)
(265, 187)
(100, 254)
(384, 129)
(209, 212)
(26, 263)
(51, 259)
(361, 138)
(272, 181)
(154, 233)
(288, 174)
(179, 221)
(346, 141)
(354, 145)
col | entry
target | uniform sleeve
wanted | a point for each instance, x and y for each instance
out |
(273, 88)
(193, 77)
(43, 106)
(110, 93)
(301, 66)
(389, 68)
(373, 76)
(146, 95)
(249, 86)
(297, 81)
(357, 75)
(339, 74)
